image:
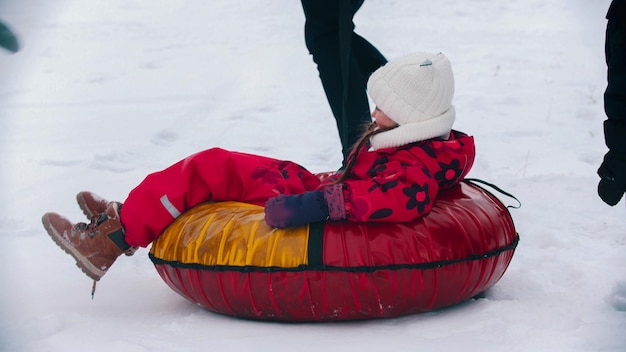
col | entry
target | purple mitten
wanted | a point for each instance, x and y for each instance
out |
(296, 210)
(335, 202)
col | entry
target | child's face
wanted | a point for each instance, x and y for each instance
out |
(382, 120)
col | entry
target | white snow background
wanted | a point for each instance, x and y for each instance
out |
(104, 92)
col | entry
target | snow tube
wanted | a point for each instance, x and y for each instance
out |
(224, 257)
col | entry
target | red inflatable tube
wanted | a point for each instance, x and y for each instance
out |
(230, 262)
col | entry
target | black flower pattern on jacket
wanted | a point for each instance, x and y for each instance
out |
(385, 186)
(418, 197)
(449, 173)
(378, 166)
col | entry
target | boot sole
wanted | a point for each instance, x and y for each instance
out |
(81, 261)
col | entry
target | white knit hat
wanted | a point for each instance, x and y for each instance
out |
(416, 92)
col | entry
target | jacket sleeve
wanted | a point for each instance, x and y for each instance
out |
(400, 193)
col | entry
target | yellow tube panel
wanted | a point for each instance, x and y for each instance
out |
(231, 234)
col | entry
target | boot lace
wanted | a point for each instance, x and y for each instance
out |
(83, 229)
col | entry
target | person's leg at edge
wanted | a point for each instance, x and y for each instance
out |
(612, 171)
(322, 40)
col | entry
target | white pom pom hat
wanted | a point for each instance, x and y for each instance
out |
(415, 91)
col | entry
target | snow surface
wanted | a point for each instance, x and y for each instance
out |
(106, 91)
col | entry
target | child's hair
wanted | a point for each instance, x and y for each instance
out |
(370, 130)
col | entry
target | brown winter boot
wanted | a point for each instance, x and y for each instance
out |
(95, 246)
(93, 205)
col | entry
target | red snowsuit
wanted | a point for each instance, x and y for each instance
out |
(393, 184)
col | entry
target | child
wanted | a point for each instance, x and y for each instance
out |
(397, 168)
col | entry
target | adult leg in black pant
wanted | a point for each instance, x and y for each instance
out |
(613, 169)
(330, 38)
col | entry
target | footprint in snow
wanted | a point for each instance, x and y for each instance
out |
(114, 161)
(617, 299)
(164, 138)
(61, 163)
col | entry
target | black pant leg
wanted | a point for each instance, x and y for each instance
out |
(322, 40)
(615, 94)
(612, 171)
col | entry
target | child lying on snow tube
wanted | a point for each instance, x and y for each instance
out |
(394, 173)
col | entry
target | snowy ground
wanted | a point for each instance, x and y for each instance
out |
(105, 92)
